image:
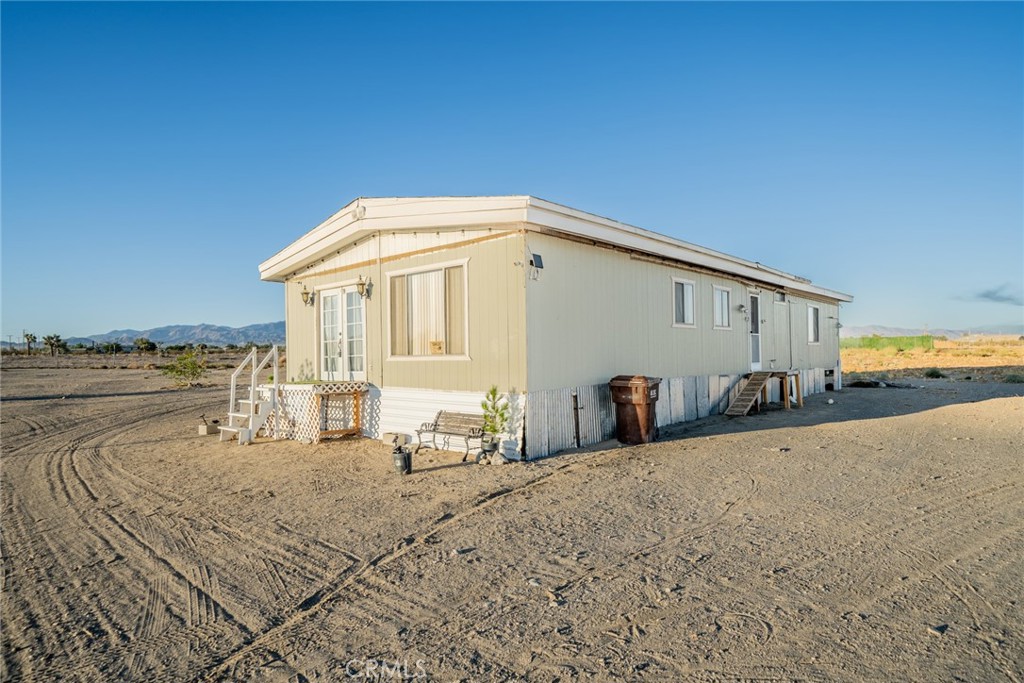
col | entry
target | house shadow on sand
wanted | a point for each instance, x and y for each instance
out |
(851, 404)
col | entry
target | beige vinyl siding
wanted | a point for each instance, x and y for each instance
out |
(299, 338)
(495, 310)
(455, 320)
(399, 316)
(594, 313)
(778, 330)
(825, 353)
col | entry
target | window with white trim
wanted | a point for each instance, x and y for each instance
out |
(682, 302)
(428, 312)
(813, 324)
(722, 300)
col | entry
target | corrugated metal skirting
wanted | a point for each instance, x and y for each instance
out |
(551, 426)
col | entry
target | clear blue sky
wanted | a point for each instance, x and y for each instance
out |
(153, 154)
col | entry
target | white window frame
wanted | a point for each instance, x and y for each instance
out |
(693, 302)
(783, 301)
(813, 316)
(714, 307)
(465, 303)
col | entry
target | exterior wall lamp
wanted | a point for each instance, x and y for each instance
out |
(308, 297)
(364, 287)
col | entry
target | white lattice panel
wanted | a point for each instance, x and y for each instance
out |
(298, 418)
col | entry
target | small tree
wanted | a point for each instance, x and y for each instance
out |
(187, 369)
(144, 345)
(113, 348)
(54, 343)
(29, 340)
(495, 412)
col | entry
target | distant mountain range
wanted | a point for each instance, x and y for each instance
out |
(882, 331)
(217, 335)
(214, 335)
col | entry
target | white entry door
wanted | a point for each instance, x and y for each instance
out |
(342, 335)
(755, 331)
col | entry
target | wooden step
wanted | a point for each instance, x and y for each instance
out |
(748, 394)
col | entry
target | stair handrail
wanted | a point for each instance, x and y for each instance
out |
(271, 355)
(250, 358)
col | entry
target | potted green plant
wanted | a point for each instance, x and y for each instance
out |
(495, 419)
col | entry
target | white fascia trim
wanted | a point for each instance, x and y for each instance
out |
(367, 215)
(321, 238)
(544, 214)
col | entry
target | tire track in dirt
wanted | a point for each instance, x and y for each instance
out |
(80, 628)
(68, 489)
(205, 606)
(940, 500)
(271, 638)
(332, 590)
(153, 620)
(982, 612)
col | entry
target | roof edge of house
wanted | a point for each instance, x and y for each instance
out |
(562, 218)
(370, 214)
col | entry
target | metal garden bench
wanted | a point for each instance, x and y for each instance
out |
(448, 424)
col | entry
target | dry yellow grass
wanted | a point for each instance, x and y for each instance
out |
(981, 358)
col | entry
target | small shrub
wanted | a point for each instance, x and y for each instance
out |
(1014, 379)
(187, 369)
(933, 373)
(495, 412)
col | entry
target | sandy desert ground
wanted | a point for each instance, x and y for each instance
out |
(986, 358)
(876, 538)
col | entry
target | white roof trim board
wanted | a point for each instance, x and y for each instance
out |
(367, 215)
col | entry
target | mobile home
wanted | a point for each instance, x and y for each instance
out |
(428, 302)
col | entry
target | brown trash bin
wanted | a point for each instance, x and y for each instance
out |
(635, 397)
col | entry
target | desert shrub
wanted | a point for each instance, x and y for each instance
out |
(1014, 379)
(933, 373)
(187, 369)
(144, 345)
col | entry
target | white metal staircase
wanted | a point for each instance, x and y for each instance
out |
(246, 416)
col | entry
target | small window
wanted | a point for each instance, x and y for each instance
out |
(428, 313)
(722, 299)
(780, 297)
(813, 325)
(682, 300)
